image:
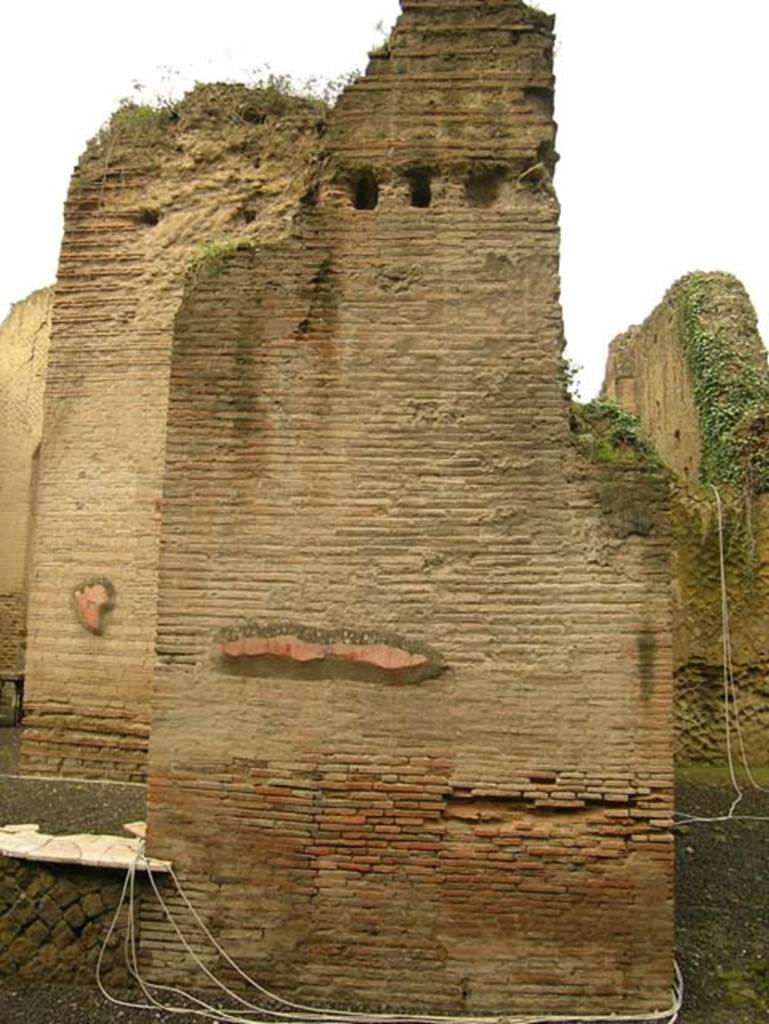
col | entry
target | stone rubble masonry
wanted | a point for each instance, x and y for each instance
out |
(24, 338)
(148, 193)
(53, 922)
(647, 374)
(59, 896)
(367, 433)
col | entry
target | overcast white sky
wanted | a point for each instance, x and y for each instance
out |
(661, 106)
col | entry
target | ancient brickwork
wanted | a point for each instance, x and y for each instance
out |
(157, 190)
(368, 450)
(54, 920)
(24, 337)
(650, 374)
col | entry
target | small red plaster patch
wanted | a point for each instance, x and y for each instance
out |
(279, 646)
(92, 602)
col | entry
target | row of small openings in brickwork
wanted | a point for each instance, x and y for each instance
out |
(482, 186)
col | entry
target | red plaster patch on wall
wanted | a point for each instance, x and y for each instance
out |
(279, 646)
(93, 599)
(382, 656)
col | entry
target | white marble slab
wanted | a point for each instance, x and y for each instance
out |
(26, 842)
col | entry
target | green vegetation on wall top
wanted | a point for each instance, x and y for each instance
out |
(607, 434)
(143, 122)
(731, 387)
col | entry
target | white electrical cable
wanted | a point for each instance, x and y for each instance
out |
(317, 1015)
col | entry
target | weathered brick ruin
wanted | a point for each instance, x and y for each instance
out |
(438, 641)
(695, 374)
(408, 648)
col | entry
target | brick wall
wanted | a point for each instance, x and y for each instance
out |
(648, 374)
(226, 164)
(24, 337)
(436, 771)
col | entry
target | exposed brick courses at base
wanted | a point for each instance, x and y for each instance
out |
(369, 881)
(75, 741)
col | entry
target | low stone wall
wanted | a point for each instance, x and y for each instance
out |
(53, 921)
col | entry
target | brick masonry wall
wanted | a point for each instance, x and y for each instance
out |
(369, 466)
(24, 338)
(647, 374)
(227, 163)
(54, 920)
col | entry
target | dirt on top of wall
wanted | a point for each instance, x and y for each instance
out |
(225, 165)
(227, 110)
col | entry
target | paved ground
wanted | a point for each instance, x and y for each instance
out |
(70, 806)
(63, 806)
(722, 898)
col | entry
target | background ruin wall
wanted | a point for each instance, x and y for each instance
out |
(707, 419)
(24, 338)
(152, 194)
(369, 466)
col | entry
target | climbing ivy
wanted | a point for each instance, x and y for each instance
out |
(731, 394)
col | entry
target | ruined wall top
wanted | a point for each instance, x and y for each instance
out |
(695, 374)
(423, 100)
